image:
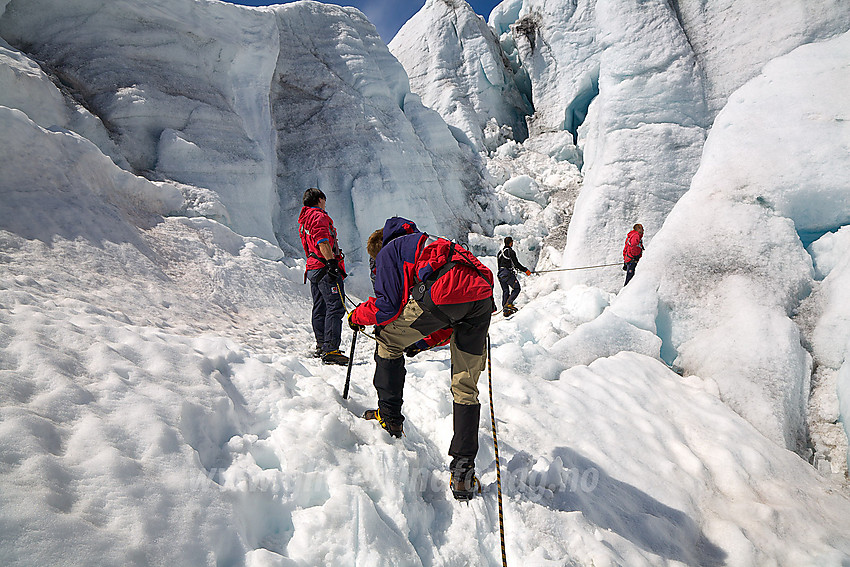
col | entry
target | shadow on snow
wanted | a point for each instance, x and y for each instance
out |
(619, 507)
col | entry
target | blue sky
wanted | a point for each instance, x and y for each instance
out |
(387, 15)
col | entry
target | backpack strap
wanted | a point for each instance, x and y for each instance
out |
(437, 274)
(471, 265)
(421, 287)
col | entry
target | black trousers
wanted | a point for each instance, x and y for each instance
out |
(630, 270)
(510, 286)
(327, 310)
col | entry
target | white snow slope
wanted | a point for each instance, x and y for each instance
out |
(157, 406)
(728, 269)
(733, 40)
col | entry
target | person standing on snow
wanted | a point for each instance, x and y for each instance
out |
(508, 264)
(632, 251)
(422, 285)
(325, 270)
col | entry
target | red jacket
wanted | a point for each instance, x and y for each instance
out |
(634, 246)
(315, 226)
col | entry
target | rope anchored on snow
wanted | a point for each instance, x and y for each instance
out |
(579, 268)
(496, 451)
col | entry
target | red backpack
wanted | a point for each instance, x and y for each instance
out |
(451, 273)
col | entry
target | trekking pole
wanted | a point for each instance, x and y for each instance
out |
(579, 268)
(496, 449)
(350, 354)
(350, 364)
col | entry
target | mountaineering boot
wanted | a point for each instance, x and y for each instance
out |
(335, 357)
(463, 448)
(463, 483)
(509, 309)
(389, 385)
(394, 428)
(318, 351)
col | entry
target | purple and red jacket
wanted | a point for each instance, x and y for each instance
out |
(315, 226)
(633, 249)
(408, 257)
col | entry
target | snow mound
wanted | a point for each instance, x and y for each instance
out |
(728, 269)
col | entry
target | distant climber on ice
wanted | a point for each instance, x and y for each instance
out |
(632, 251)
(508, 265)
(425, 284)
(325, 270)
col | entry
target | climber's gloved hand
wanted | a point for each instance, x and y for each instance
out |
(334, 273)
(354, 326)
(413, 350)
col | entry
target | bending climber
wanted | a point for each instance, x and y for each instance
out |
(422, 285)
(325, 270)
(438, 338)
(632, 251)
(508, 264)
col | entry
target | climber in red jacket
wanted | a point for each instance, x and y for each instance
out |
(325, 270)
(632, 251)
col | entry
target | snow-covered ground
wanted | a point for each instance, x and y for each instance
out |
(158, 404)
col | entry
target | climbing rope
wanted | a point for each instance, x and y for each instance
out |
(579, 268)
(343, 297)
(496, 450)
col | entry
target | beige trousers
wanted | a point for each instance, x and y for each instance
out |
(414, 324)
